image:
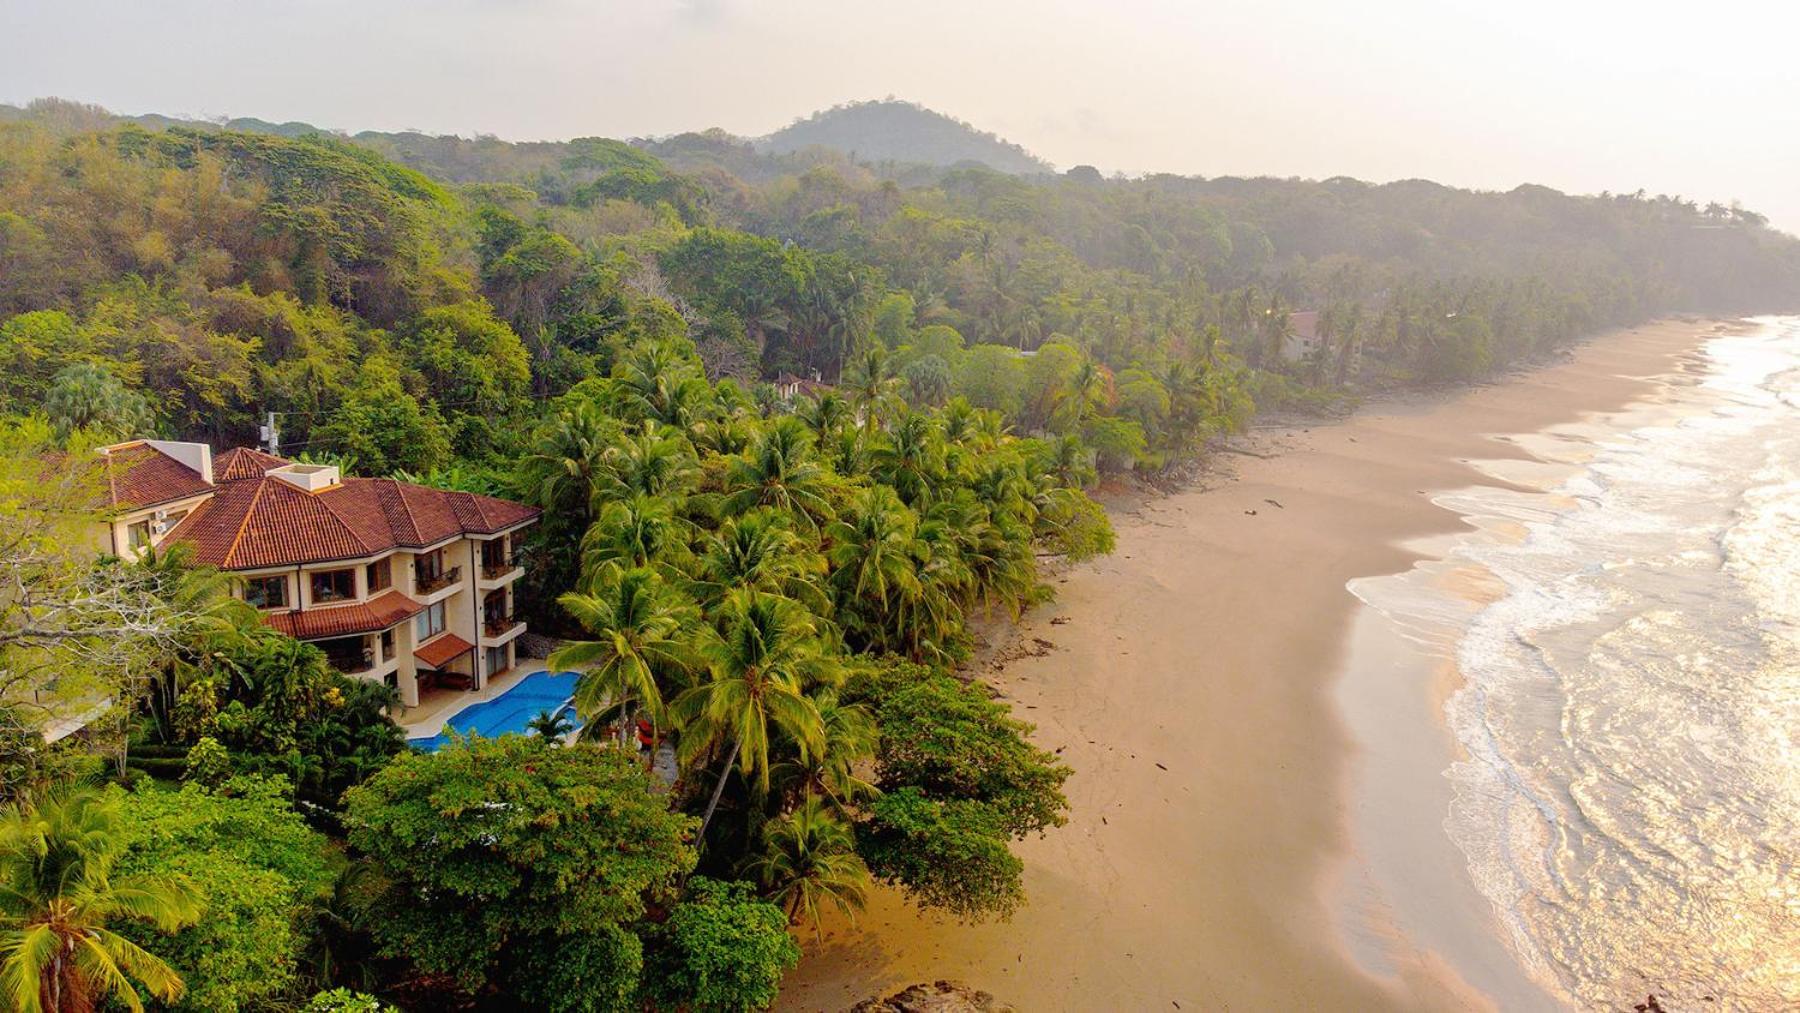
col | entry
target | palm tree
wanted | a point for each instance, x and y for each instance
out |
(637, 531)
(87, 396)
(780, 470)
(873, 386)
(656, 382)
(551, 726)
(827, 416)
(766, 654)
(809, 859)
(875, 560)
(994, 557)
(655, 462)
(642, 638)
(759, 551)
(850, 738)
(569, 453)
(57, 894)
(911, 459)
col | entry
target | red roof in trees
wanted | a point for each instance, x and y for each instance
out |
(262, 522)
(245, 462)
(386, 609)
(139, 475)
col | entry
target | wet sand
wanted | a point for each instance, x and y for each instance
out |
(1194, 685)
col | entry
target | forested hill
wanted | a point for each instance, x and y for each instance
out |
(215, 275)
(793, 420)
(894, 131)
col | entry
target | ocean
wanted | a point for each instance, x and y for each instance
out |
(1624, 622)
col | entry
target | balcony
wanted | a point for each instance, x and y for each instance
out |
(495, 627)
(431, 583)
(350, 655)
(495, 569)
(495, 572)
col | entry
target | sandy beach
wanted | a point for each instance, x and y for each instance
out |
(1193, 681)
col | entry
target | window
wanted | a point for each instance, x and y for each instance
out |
(431, 576)
(266, 592)
(381, 575)
(333, 585)
(431, 566)
(496, 660)
(493, 558)
(387, 645)
(137, 535)
(429, 623)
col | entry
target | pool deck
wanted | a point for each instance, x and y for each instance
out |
(427, 719)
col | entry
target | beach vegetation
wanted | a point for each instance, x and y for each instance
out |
(257, 869)
(64, 900)
(491, 847)
(804, 429)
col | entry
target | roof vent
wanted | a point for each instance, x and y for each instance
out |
(311, 477)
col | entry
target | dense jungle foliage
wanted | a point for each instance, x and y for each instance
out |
(797, 422)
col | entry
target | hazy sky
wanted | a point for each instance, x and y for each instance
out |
(1697, 99)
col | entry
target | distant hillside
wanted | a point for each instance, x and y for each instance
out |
(893, 131)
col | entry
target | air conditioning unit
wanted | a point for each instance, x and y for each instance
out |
(159, 523)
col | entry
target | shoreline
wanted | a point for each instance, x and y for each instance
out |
(1195, 681)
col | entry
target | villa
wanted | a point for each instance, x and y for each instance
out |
(1304, 339)
(791, 388)
(393, 581)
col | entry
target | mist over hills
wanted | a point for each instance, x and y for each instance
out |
(889, 130)
(895, 134)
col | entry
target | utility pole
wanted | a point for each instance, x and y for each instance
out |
(271, 436)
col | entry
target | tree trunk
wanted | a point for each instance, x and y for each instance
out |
(627, 727)
(718, 789)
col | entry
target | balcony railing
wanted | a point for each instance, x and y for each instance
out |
(352, 664)
(429, 583)
(494, 626)
(499, 568)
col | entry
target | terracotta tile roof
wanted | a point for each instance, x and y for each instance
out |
(139, 475)
(485, 515)
(445, 649)
(244, 462)
(386, 609)
(266, 521)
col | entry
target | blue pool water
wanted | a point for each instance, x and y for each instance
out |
(509, 712)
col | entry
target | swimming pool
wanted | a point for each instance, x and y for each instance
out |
(508, 713)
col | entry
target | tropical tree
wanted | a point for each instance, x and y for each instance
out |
(874, 560)
(827, 416)
(761, 551)
(780, 470)
(654, 462)
(58, 896)
(567, 457)
(809, 860)
(850, 737)
(551, 726)
(873, 386)
(766, 655)
(658, 381)
(911, 458)
(722, 948)
(526, 850)
(642, 629)
(87, 396)
(633, 532)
